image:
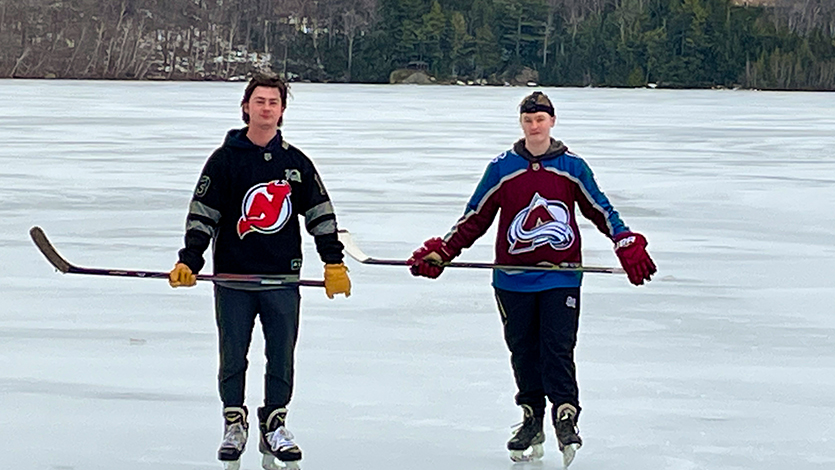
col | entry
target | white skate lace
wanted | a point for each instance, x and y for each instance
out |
(518, 425)
(280, 439)
(235, 436)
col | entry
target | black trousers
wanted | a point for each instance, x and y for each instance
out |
(540, 329)
(235, 312)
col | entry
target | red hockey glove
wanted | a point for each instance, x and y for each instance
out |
(428, 260)
(631, 249)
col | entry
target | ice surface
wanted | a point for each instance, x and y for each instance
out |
(725, 361)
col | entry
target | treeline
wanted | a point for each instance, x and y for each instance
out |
(775, 44)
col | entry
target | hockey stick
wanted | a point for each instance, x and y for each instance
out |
(61, 264)
(355, 252)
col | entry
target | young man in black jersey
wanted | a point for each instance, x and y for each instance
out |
(247, 203)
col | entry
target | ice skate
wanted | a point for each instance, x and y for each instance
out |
(235, 433)
(278, 450)
(568, 436)
(526, 443)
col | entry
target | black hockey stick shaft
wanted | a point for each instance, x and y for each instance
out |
(354, 251)
(477, 265)
(61, 264)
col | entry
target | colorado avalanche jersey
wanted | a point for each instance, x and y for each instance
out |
(248, 202)
(536, 199)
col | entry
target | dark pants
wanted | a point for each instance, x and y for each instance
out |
(235, 312)
(540, 329)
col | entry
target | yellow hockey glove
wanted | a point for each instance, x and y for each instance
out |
(336, 280)
(181, 276)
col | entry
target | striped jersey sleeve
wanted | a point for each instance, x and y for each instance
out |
(320, 218)
(480, 212)
(204, 214)
(593, 204)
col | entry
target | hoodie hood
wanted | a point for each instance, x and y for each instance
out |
(237, 139)
(556, 149)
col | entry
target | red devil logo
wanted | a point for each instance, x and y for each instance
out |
(266, 208)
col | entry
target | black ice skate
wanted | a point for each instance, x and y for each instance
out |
(526, 443)
(278, 450)
(235, 433)
(568, 436)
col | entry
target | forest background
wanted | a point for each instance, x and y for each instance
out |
(764, 44)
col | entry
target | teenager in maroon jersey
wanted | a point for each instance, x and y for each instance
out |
(535, 188)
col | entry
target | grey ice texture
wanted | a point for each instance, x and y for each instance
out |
(725, 361)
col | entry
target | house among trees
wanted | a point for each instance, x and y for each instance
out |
(754, 3)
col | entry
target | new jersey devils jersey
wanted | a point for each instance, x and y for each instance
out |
(536, 199)
(248, 201)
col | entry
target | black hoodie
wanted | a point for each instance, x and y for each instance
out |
(248, 201)
(556, 149)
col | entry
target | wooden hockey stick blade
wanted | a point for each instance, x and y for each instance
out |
(354, 251)
(61, 264)
(351, 248)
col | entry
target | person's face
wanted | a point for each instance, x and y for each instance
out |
(264, 107)
(537, 126)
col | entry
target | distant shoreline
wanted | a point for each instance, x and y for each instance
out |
(443, 84)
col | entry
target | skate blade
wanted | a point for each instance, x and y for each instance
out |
(269, 462)
(231, 465)
(568, 454)
(534, 452)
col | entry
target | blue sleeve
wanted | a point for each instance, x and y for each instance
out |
(594, 205)
(481, 210)
(488, 184)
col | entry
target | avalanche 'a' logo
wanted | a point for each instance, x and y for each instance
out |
(543, 222)
(266, 208)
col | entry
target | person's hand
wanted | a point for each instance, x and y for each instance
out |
(428, 260)
(336, 280)
(181, 276)
(631, 249)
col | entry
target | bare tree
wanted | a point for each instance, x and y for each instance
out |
(805, 16)
(356, 15)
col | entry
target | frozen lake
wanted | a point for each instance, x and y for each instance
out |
(725, 361)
